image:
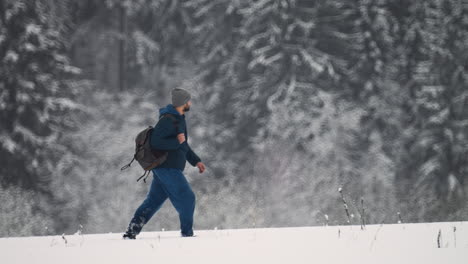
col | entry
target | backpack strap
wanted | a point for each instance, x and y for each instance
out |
(128, 165)
(174, 120)
(145, 175)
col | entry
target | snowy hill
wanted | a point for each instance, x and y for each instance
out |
(399, 243)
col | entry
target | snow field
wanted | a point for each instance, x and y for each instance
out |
(397, 243)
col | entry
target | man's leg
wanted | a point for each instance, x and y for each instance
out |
(153, 202)
(181, 196)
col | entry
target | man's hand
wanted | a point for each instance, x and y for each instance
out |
(181, 138)
(201, 167)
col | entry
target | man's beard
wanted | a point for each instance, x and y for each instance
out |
(186, 108)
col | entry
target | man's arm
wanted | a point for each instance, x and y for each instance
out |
(164, 135)
(192, 158)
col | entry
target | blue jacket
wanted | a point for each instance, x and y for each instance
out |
(164, 137)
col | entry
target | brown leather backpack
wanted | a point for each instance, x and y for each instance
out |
(148, 158)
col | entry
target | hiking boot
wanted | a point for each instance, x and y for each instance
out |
(188, 234)
(128, 235)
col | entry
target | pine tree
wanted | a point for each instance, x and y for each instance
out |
(34, 94)
(415, 112)
(441, 109)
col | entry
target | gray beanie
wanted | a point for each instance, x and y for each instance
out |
(180, 97)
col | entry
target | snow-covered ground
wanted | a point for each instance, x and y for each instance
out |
(398, 243)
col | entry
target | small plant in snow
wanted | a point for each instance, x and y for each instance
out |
(362, 213)
(64, 239)
(80, 233)
(455, 236)
(345, 205)
(439, 238)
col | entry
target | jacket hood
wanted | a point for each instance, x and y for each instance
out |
(168, 109)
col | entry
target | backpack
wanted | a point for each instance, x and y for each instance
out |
(147, 157)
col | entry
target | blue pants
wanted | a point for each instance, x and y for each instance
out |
(167, 183)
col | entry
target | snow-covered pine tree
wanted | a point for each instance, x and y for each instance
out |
(34, 94)
(415, 112)
(441, 110)
(263, 54)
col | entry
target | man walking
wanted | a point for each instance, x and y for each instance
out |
(168, 180)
